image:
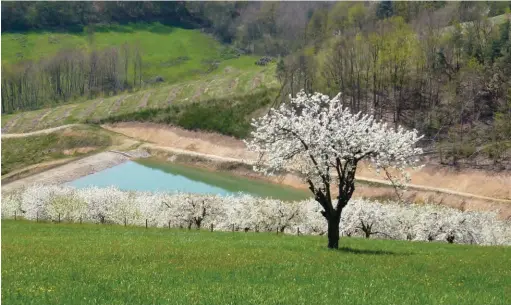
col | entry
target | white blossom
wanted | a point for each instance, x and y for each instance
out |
(361, 218)
(315, 125)
(324, 142)
(11, 204)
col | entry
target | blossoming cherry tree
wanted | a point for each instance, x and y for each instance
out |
(322, 140)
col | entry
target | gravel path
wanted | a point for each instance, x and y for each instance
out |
(364, 179)
(105, 160)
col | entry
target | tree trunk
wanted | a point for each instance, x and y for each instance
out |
(333, 232)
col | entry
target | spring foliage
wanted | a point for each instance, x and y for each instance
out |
(361, 218)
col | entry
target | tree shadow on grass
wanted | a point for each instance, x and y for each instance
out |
(370, 252)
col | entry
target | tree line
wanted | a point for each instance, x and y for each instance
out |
(269, 28)
(363, 218)
(441, 67)
(74, 16)
(70, 74)
(278, 28)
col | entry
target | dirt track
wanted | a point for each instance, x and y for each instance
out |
(468, 183)
(226, 149)
(33, 133)
(415, 193)
(475, 183)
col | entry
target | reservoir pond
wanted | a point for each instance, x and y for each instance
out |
(153, 175)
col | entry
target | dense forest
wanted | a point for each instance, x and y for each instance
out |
(441, 67)
(20, 16)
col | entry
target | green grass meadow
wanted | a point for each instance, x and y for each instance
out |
(46, 263)
(176, 54)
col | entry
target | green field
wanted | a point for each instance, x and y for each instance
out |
(175, 54)
(97, 264)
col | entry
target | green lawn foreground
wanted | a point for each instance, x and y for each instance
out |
(46, 263)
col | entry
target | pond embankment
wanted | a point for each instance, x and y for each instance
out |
(464, 190)
(70, 171)
(481, 184)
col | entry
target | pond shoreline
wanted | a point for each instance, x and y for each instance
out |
(364, 189)
(482, 185)
(237, 167)
(69, 171)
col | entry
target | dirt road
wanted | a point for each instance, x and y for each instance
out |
(475, 183)
(226, 149)
(33, 133)
(363, 179)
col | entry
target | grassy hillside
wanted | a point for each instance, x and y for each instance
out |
(173, 53)
(229, 115)
(496, 20)
(228, 82)
(98, 264)
(19, 153)
(182, 57)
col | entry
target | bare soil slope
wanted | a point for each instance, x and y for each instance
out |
(494, 185)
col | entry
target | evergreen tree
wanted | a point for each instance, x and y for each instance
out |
(281, 70)
(385, 10)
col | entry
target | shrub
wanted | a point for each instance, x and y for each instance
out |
(263, 61)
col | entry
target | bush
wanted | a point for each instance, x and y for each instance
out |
(263, 61)
(154, 80)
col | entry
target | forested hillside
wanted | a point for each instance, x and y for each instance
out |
(440, 67)
(426, 70)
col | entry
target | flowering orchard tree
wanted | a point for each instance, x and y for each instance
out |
(360, 217)
(324, 142)
(191, 209)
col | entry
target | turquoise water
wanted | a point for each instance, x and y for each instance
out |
(151, 175)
